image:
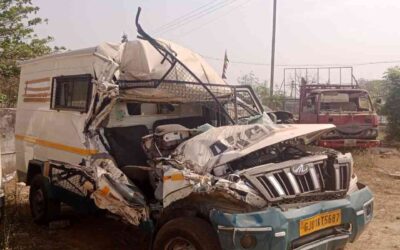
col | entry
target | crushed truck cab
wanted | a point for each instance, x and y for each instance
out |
(146, 130)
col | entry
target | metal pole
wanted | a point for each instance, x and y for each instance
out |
(271, 87)
(351, 76)
(284, 83)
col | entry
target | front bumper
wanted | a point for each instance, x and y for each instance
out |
(276, 229)
(343, 143)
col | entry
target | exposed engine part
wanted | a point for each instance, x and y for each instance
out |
(280, 152)
(164, 140)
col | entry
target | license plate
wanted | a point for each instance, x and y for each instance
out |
(320, 221)
(350, 142)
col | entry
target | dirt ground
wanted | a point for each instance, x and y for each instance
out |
(379, 169)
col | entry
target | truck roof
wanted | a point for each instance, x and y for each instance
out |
(77, 52)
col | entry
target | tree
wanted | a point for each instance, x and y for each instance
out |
(392, 104)
(378, 91)
(18, 41)
(248, 79)
(262, 91)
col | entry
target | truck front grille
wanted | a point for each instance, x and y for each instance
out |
(279, 181)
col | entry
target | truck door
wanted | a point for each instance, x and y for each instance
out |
(309, 109)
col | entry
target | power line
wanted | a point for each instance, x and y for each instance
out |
(378, 62)
(301, 65)
(157, 29)
(197, 16)
(215, 19)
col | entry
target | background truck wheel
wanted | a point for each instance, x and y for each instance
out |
(43, 208)
(187, 233)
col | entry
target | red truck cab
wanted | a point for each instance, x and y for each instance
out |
(346, 106)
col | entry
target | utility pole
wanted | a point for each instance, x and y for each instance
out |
(271, 87)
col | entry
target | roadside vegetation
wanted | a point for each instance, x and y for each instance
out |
(392, 104)
(276, 102)
(19, 41)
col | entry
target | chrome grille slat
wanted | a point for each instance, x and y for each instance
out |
(293, 182)
(314, 178)
(276, 185)
(305, 181)
(341, 177)
(282, 182)
(337, 176)
(264, 182)
(299, 180)
(321, 176)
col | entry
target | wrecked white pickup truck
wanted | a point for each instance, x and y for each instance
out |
(148, 131)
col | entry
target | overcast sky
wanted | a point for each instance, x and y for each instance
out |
(340, 32)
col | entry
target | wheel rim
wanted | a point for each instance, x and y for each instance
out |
(38, 203)
(179, 243)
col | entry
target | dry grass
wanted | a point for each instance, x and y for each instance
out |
(18, 232)
(363, 160)
(16, 214)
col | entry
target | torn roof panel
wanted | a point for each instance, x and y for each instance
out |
(139, 51)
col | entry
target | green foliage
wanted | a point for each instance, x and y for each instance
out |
(378, 91)
(262, 91)
(392, 105)
(18, 41)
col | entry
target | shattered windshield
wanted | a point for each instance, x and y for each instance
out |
(345, 102)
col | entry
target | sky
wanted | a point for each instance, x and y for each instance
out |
(309, 32)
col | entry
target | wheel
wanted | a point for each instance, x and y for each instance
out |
(187, 233)
(43, 208)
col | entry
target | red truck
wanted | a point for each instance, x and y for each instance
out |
(346, 106)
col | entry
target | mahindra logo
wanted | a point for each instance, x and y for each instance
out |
(300, 169)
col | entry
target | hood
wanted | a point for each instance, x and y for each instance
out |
(221, 145)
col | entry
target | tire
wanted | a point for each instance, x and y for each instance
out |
(43, 208)
(187, 233)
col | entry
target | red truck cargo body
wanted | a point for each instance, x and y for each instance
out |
(347, 107)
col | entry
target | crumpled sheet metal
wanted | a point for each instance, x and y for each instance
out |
(221, 145)
(190, 182)
(107, 196)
